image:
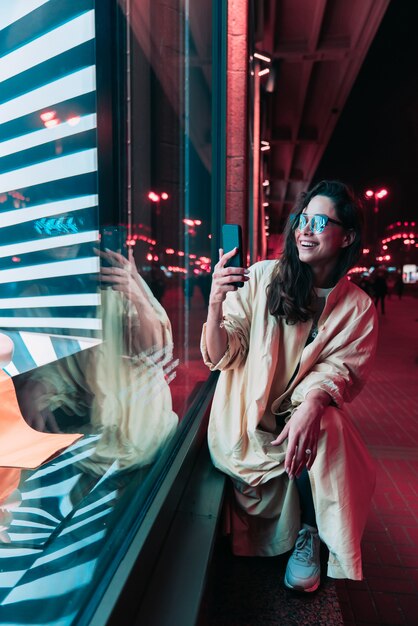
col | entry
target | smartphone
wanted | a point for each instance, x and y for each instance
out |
(113, 238)
(232, 238)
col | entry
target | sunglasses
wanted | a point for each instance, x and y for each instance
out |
(317, 222)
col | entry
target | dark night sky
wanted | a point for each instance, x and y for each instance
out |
(375, 143)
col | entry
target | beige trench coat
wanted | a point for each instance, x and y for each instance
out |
(263, 352)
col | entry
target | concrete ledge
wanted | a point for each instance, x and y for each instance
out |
(178, 580)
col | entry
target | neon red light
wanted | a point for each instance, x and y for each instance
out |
(164, 196)
(149, 257)
(198, 222)
(369, 193)
(51, 123)
(154, 197)
(382, 193)
(73, 121)
(180, 253)
(47, 115)
(169, 251)
(188, 222)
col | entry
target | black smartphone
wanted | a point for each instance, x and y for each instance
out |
(113, 238)
(232, 238)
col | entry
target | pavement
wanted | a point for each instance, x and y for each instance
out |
(386, 413)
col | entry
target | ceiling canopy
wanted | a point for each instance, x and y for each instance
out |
(316, 48)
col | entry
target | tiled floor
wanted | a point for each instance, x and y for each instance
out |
(249, 592)
(386, 413)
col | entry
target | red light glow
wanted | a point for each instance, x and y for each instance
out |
(382, 193)
(73, 121)
(51, 123)
(154, 197)
(47, 116)
(369, 193)
(164, 196)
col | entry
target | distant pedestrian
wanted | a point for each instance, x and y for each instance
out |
(380, 288)
(398, 287)
(364, 284)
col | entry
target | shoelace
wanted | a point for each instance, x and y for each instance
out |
(304, 546)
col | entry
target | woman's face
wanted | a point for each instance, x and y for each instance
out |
(321, 250)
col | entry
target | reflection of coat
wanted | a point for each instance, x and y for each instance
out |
(262, 355)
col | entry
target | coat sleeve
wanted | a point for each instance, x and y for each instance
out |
(344, 365)
(237, 314)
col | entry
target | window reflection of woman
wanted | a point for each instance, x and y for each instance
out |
(293, 345)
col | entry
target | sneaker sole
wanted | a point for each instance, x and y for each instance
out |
(301, 589)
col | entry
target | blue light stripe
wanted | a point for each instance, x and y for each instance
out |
(75, 84)
(55, 42)
(45, 135)
(73, 267)
(51, 322)
(48, 243)
(14, 11)
(20, 216)
(39, 302)
(75, 164)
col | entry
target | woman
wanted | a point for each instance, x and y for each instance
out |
(293, 344)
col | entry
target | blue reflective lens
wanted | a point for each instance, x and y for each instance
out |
(317, 222)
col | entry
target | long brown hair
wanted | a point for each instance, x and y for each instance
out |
(291, 291)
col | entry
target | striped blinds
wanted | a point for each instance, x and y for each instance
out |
(49, 298)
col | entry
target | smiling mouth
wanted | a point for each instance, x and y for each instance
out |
(307, 244)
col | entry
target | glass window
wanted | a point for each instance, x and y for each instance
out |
(105, 248)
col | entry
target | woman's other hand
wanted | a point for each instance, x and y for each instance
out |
(302, 432)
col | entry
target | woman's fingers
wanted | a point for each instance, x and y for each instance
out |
(224, 257)
(311, 457)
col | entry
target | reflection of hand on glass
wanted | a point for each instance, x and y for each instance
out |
(149, 329)
(34, 404)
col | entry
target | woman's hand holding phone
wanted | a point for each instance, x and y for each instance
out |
(224, 278)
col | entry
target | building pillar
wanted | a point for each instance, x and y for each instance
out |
(237, 116)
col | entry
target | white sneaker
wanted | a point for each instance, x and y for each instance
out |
(303, 571)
